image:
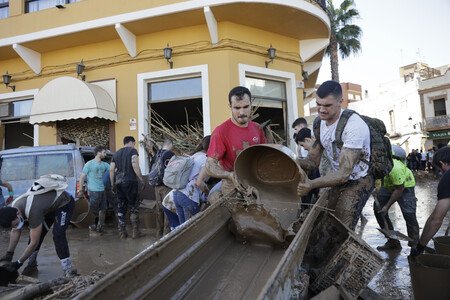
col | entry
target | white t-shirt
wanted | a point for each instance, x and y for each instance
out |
(356, 135)
(191, 190)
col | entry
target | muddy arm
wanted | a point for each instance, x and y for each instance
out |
(201, 179)
(434, 221)
(347, 161)
(14, 237)
(136, 168)
(312, 161)
(112, 170)
(395, 196)
(213, 169)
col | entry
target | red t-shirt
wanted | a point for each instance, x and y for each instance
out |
(228, 140)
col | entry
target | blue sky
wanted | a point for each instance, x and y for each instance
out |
(395, 33)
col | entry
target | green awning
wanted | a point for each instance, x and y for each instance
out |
(442, 134)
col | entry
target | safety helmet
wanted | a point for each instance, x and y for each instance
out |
(398, 152)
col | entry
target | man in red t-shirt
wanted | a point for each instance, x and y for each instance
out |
(231, 137)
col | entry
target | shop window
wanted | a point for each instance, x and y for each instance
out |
(269, 98)
(22, 108)
(4, 9)
(36, 5)
(439, 107)
(392, 121)
(177, 102)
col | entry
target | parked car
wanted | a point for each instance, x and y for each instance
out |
(21, 166)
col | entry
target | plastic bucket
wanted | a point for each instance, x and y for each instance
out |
(82, 217)
(430, 276)
(442, 245)
(272, 170)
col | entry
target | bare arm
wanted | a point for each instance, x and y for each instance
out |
(35, 235)
(81, 181)
(200, 182)
(137, 170)
(348, 158)
(395, 196)
(214, 169)
(434, 221)
(112, 170)
(312, 161)
(8, 186)
(14, 238)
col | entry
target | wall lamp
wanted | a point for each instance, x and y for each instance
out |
(168, 55)
(80, 70)
(305, 75)
(7, 81)
(271, 52)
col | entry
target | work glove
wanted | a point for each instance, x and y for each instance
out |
(416, 251)
(14, 266)
(8, 256)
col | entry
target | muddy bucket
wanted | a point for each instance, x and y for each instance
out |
(430, 276)
(82, 217)
(442, 245)
(272, 170)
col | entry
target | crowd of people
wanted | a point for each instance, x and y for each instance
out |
(340, 153)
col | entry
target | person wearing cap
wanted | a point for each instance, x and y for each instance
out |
(398, 186)
(348, 175)
(45, 204)
(441, 160)
(231, 137)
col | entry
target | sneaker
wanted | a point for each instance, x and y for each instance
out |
(70, 273)
(30, 270)
(391, 244)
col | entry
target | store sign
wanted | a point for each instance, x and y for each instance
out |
(439, 134)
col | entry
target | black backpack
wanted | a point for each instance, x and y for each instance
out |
(380, 147)
(156, 175)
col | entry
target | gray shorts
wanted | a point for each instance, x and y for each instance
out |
(97, 201)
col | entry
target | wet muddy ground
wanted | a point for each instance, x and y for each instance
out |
(393, 281)
(106, 252)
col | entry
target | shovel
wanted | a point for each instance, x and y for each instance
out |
(392, 234)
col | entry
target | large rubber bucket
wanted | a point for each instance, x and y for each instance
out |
(272, 170)
(82, 217)
(442, 245)
(430, 276)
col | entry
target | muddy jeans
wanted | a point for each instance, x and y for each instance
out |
(349, 199)
(127, 194)
(162, 223)
(407, 203)
(60, 220)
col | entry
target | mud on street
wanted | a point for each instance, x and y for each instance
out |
(106, 252)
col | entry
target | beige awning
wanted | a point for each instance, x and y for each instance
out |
(66, 98)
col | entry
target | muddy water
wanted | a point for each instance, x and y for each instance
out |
(394, 281)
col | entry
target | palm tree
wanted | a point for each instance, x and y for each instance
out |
(344, 35)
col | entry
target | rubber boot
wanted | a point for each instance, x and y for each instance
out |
(101, 221)
(69, 271)
(135, 226)
(123, 232)
(391, 244)
(31, 269)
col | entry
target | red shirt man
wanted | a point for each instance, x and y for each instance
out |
(232, 136)
(228, 140)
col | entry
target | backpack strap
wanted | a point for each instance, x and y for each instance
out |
(316, 130)
(346, 114)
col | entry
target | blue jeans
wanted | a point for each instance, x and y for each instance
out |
(407, 203)
(186, 208)
(172, 217)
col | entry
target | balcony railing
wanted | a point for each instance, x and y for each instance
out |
(438, 122)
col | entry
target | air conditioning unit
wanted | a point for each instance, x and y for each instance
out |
(5, 110)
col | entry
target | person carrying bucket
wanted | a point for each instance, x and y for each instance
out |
(441, 160)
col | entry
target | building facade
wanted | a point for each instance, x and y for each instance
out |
(93, 71)
(435, 106)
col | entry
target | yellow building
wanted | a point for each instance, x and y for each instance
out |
(274, 47)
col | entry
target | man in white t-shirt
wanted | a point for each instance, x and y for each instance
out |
(349, 163)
